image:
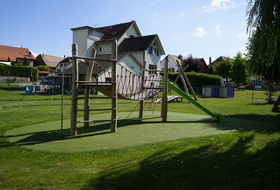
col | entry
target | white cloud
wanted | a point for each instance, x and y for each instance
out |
(217, 28)
(219, 4)
(240, 35)
(200, 32)
(241, 49)
(35, 54)
(181, 14)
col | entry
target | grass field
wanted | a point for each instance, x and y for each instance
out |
(240, 160)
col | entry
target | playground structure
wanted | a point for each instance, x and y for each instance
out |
(121, 83)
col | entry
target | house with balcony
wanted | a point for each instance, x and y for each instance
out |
(135, 51)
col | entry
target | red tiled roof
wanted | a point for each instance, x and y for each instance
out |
(44, 72)
(14, 52)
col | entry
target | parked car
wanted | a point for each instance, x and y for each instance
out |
(49, 82)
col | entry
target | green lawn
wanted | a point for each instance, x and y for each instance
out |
(239, 160)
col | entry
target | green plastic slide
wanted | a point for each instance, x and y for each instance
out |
(219, 116)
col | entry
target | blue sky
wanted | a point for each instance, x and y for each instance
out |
(204, 28)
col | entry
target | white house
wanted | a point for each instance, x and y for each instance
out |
(173, 67)
(137, 49)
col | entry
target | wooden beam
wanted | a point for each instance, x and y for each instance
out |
(73, 127)
(187, 80)
(114, 86)
(165, 92)
(87, 89)
(141, 102)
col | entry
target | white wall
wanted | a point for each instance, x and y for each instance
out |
(79, 37)
(103, 48)
(171, 64)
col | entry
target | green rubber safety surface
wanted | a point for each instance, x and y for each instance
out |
(131, 131)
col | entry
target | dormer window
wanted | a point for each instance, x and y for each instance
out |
(153, 49)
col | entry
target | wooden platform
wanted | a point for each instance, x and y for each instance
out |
(106, 89)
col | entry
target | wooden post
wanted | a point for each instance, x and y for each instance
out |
(165, 92)
(141, 102)
(114, 87)
(87, 90)
(75, 75)
(187, 80)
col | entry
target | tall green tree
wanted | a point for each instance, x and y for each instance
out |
(263, 25)
(239, 71)
(223, 68)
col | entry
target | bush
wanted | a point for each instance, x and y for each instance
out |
(26, 71)
(43, 68)
(9, 81)
(197, 79)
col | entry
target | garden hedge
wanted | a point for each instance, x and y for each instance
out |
(25, 71)
(197, 80)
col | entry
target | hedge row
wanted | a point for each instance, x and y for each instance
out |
(197, 79)
(25, 71)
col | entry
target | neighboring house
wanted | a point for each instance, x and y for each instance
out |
(219, 59)
(60, 66)
(9, 54)
(134, 50)
(173, 67)
(212, 66)
(48, 60)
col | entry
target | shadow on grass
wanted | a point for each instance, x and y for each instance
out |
(210, 166)
(12, 88)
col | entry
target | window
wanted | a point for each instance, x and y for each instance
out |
(100, 48)
(61, 64)
(153, 50)
(172, 70)
(152, 67)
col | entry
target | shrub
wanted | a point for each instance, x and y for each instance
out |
(43, 68)
(197, 79)
(25, 71)
(9, 81)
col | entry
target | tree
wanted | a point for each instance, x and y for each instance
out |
(25, 61)
(222, 68)
(191, 63)
(43, 68)
(239, 71)
(263, 25)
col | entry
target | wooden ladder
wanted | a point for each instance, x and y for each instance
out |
(87, 85)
